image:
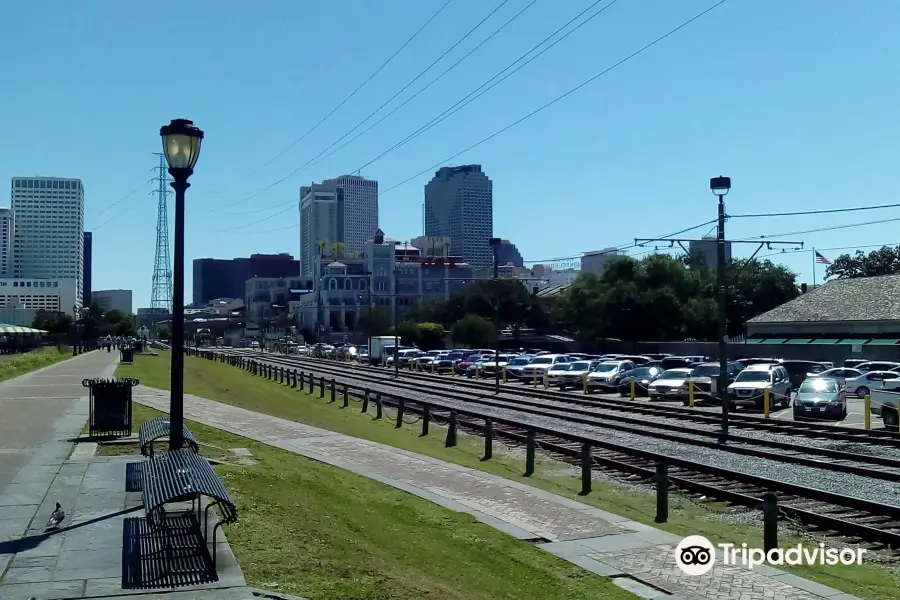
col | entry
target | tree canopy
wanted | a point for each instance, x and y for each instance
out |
(884, 261)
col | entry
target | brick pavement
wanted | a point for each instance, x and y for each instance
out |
(638, 557)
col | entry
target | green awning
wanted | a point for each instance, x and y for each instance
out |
(753, 341)
(822, 342)
(16, 330)
(773, 341)
(849, 341)
(803, 341)
(883, 342)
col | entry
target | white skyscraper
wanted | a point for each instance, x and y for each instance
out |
(321, 220)
(48, 239)
(6, 238)
(459, 204)
(360, 210)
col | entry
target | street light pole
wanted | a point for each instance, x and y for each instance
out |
(495, 245)
(396, 323)
(720, 187)
(181, 145)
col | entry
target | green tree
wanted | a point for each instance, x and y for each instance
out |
(117, 323)
(408, 332)
(431, 336)
(884, 261)
(374, 321)
(473, 331)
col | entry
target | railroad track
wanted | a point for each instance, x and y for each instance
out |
(859, 521)
(440, 384)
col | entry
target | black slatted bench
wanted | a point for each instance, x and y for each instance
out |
(160, 427)
(182, 476)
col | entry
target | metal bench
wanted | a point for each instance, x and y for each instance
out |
(160, 427)
(181, 476)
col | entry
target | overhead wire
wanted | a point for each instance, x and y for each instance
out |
(349, 96)
(817, 249)
(828, 211)
(560, 97)
(377, 110)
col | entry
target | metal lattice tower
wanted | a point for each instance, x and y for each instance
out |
(161, 291)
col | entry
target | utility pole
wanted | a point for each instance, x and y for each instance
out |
(495, 245)
(396, 323)
(720, 187)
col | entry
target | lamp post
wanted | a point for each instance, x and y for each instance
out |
(75, 329)
(494, 243)
(720, 186)
(181, 145)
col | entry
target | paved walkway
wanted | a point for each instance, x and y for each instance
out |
(40, 414)
(638, 557)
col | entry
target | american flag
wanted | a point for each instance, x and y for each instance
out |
(821, 259)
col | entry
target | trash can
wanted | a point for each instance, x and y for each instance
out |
(127, 355)
(110, 406)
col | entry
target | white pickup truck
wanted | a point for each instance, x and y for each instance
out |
(886, 403)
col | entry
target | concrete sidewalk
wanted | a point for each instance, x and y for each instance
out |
(639, 558)
(41, 413)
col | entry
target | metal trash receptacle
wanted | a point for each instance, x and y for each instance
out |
(110, 406)
(127, 355)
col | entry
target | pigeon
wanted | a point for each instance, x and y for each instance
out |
(56, 517)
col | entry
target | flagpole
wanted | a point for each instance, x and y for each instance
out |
(814, 267)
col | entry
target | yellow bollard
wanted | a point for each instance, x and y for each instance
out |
(632, 388)
(534, 378)
(766, 403)
(453, 369)
(383, 360)
(504, 374)
(691, 394)
(584, 389)
(867, 407)
(546, 380)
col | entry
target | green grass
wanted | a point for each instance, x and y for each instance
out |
(221, 382)
(324, 533)
(14, 365)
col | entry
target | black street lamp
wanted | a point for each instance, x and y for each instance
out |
(181, 146)
(720, 187)
(494, 243)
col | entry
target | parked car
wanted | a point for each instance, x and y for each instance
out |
(841, 374)
(852, 363)
(799, 370)
(476, 369)
(703, 375)
(556, 370)
(671, 383)
(819, 398)
(643, 376)
(575, 375)
(540, 364)
(877, 365)
(491, 364)
(515, 366)
(886, 404)
(751, 383)
(607, 375)
(865, 383)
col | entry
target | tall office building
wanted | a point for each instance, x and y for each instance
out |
(360, 209)
(49, 229)
(7, 227)
(459, 204)
(321, 221)
(225, 278)
(87, 268)
(703, 251)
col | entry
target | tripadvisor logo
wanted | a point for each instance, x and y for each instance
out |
(696, 555)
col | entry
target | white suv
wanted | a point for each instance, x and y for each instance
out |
(751, 383)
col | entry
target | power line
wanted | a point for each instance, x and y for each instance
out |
(560, 97)
(351, 95)
(815, 212)
(821, 229)
(374, 112)
(116, 203)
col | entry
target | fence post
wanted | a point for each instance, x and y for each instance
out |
(451, 431)
(586, 465)
(365, 402)
(662, 492)
(333, 391)
(529, 453)
(426, 419)
(294, 379)
(379, 408)
(770, 521)
(488, 439)
(346, 396)
(399, 422)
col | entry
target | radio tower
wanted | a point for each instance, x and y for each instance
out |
(161, 292)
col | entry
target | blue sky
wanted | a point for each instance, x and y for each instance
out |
(796, 101)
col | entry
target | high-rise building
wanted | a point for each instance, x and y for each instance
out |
(87, 269)
(225, 278)
(595, 262)
(360, 209)
(7, 227)
(321, 222)
(107, 300)
(703, 252)
(508, 254)
(48, 242)
(459, 204)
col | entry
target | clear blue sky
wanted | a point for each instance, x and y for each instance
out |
(795, 100)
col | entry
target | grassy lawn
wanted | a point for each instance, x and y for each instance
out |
(321, 532)
(218, 381)
(14, 365)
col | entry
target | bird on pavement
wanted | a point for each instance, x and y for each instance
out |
(56, 517)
